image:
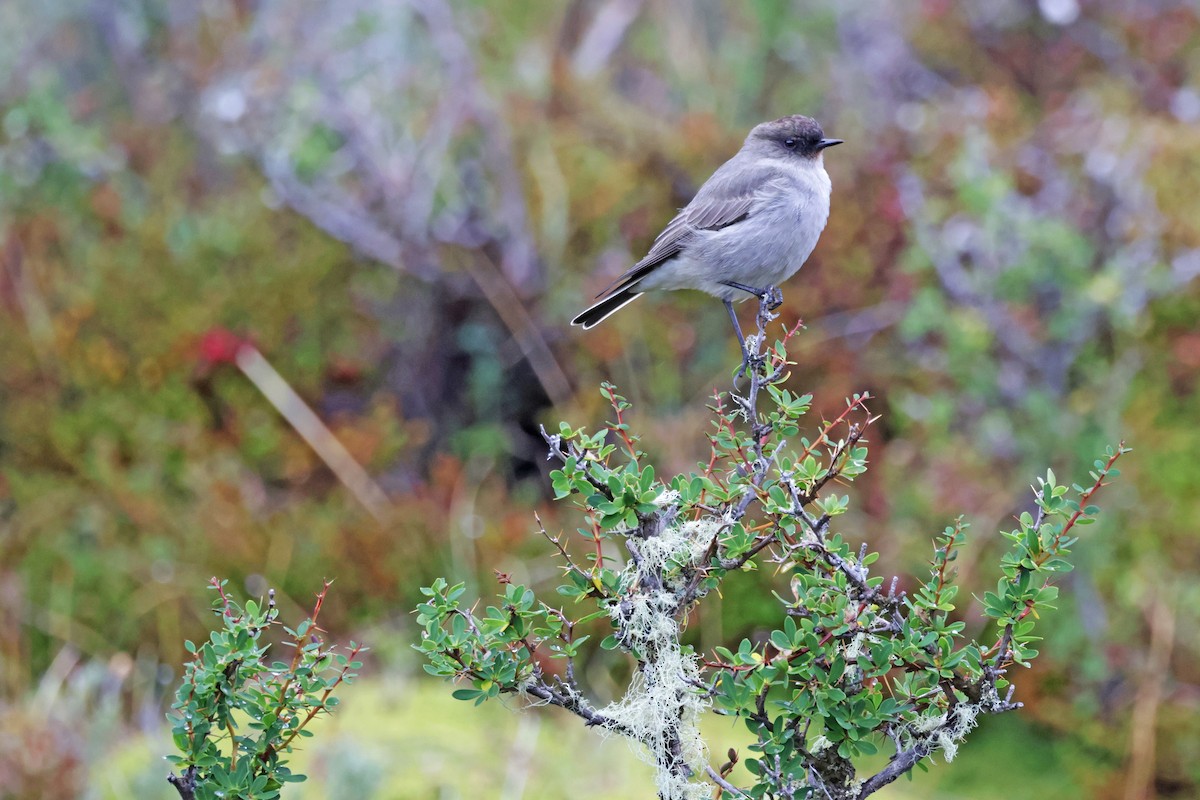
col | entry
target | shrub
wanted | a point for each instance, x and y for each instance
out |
(855, 664)
(236, 718)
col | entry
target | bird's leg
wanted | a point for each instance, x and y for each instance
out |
(737, 328)
(770, 299)
(771, 295)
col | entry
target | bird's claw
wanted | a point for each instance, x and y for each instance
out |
(752, 361)
(741, 370)
(773, 297)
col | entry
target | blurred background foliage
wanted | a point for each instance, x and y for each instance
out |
(400, 204)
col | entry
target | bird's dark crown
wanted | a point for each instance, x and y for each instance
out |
(803, 133)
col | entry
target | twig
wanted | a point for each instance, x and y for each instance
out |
(724, 784)
(899, 765)
(185, 784)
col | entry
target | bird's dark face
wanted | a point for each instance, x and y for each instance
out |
(796, 136)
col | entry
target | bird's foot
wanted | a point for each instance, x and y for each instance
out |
(743, 379)
(768, 301)
(773, 297)
(753, 363)
(747, 362)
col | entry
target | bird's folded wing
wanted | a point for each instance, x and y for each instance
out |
(724, 200)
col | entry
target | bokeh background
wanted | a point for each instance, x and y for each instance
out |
(400, 203)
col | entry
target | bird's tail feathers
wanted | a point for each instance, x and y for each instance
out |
(601, 311)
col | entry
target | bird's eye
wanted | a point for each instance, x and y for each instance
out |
(790, 144)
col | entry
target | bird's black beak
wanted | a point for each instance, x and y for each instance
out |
(821, 145)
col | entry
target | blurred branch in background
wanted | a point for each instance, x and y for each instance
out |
(1160, 616)
(604, 35)
(312, 430)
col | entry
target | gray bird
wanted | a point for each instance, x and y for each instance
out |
(749, 228)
